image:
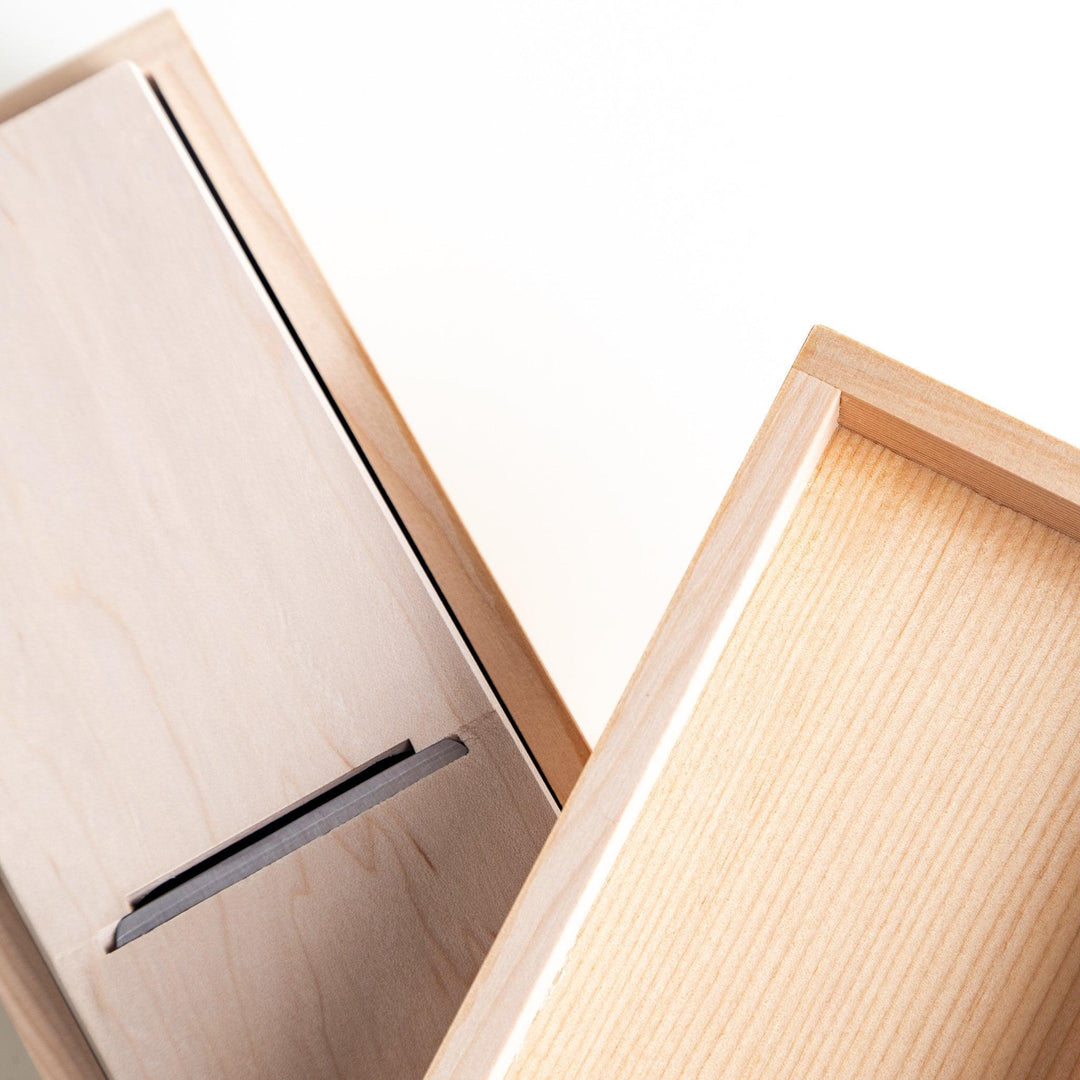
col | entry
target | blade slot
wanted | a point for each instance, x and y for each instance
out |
(375, 782)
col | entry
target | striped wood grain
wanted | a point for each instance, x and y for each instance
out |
(1000, 457)
(863, 856)
(586, 841)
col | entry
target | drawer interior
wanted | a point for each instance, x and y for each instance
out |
(863, 855)
(208, 614)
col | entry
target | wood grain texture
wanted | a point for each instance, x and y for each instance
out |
(1000, 457)
(347, 958)
(863, 856)
(160, 48)
(587, 839)
(203, 597)
(38, 1011)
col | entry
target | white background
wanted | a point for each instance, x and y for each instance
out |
(583, 241)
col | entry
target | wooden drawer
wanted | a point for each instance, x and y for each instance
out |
(831, 830)
(265, 805)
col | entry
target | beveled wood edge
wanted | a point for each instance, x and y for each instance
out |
(544, 922)
(930, 423)
(161, 50)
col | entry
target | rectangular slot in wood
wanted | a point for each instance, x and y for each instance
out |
(364, 788)
(347, 957)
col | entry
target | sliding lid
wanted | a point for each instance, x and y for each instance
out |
(207, 611)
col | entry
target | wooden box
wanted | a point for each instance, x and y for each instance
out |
(833, 829)
(275, 757)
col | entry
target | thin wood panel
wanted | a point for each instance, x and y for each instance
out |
(997, 455)
(863, 856)
(347, 958)
(206, 611)
(161, 50)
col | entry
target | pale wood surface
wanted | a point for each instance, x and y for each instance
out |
(997, 455)
(923, 420)
(347, 958)
(207, 611)
(37, 1009)
(160, 49)
(863, 857)
(533, 945)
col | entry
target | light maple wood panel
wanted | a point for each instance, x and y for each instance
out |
(863, 856)
(206, 610)
(160, 48)
(347, 958)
